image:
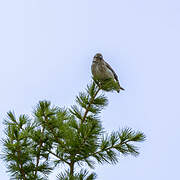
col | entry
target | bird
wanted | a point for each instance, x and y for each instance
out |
(102, 71)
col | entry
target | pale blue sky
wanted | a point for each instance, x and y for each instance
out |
(46, 52)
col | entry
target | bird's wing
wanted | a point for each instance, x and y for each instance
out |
(109, 67)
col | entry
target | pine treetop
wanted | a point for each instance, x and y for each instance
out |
(33, 147)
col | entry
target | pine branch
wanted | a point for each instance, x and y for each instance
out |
(38, 152)
(45, 114)
(63, 160)
(117, 141)
(89, 104)
(86, 103)
(20, 164)
(82, 175)
(55, 136)
(16, 140)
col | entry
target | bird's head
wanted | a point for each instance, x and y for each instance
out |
(98, 57)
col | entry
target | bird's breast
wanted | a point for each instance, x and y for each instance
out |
(100, 71)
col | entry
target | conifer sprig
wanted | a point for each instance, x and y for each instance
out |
(73, 137)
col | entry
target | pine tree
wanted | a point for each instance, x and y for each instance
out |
(74, 137)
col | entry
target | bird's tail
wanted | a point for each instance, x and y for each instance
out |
(122, 88)
(119, 88)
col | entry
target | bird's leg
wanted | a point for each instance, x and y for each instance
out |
(97, 82)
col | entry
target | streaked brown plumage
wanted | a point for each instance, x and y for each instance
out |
(101, 70)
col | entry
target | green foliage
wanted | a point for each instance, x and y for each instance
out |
(73, 137)
(21, 149)
(82, 175)
(107, 84)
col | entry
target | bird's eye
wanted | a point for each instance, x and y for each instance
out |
(98, 56)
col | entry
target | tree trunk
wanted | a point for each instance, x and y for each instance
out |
(71, 170)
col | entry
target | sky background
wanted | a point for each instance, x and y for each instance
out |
(46, 50)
